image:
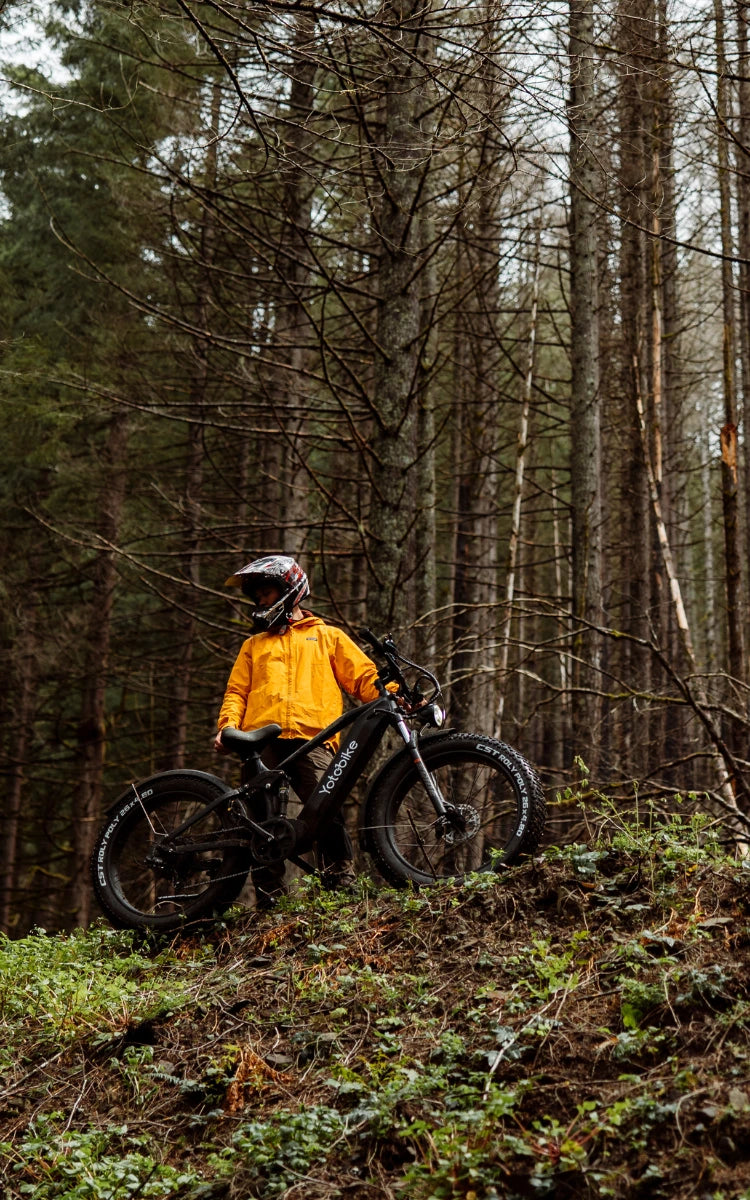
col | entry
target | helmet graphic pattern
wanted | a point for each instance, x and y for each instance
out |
(286, 574)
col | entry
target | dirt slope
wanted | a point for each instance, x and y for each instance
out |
(577, 1028)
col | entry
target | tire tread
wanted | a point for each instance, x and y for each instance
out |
(535, 823)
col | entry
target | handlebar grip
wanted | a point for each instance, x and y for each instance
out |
(368, 636)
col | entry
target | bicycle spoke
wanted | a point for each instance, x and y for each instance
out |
(421, 844)
(145, 811)
(484, 792)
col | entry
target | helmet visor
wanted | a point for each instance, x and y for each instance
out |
(263, 590)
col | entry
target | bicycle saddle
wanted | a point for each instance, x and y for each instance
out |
(252, 742)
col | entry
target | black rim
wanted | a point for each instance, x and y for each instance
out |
(477, 837)
(160, 880)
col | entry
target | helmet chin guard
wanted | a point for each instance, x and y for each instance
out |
(274, 570)
(274, 618)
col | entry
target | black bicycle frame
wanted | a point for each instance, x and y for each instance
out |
(367, 726)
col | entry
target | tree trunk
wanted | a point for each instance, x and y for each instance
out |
(743, 234)
(669, 358)
(177, 732)
(287, 399)
(727, 777)
(729, 441)
(475, 596)
(91, 727)
(515, 521)
(585, 431)
(633, 567)
(425, 531)
(563, 590)
(25, 669)
(393, 442)
(710, 653)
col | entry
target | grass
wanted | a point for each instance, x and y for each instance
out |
(577, 1027)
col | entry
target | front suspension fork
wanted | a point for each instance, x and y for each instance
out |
(433, 791)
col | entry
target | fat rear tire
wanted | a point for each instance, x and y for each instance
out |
(138, 885)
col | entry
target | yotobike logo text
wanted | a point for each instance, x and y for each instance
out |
(339, 767)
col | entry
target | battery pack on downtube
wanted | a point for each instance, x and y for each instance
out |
(358, 744)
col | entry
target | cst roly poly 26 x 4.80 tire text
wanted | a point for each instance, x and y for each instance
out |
(145, 880)
(496, 793)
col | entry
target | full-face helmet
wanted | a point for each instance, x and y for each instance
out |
(274, 570)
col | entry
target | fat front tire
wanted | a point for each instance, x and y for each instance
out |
(497, 799)
(143, 880)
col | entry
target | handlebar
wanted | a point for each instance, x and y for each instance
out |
(387, 649)
(368, 636)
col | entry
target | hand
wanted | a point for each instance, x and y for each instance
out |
(219, 747)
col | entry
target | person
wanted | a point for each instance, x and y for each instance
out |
(291, 671)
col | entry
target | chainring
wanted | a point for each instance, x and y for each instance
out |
(283, 843)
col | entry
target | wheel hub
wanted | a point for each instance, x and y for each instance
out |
(178, 863)
(461, 824)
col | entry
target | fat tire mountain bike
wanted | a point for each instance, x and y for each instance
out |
(177, 848)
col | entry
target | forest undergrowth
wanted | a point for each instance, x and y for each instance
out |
(579, 1027)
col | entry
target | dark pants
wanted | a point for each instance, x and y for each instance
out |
(334, 844)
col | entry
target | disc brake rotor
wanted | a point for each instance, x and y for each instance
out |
(470, 820)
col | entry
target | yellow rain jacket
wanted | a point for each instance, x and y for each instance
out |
(294, 679)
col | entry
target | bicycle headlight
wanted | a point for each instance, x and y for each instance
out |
(435, 715)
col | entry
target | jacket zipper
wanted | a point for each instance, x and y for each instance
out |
(290, 663)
